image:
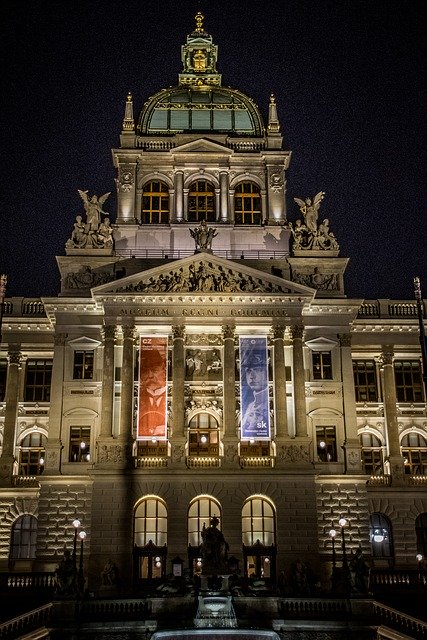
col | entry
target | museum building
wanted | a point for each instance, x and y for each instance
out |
(201, 361)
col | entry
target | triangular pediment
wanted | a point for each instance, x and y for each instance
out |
(203, 273)
(202, 145)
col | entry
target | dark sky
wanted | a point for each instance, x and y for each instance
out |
(349, 80)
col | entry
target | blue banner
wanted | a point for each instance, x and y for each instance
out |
(254, 395)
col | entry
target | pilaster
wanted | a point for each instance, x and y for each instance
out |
(54, 443)
(11, 415)
(352, 450)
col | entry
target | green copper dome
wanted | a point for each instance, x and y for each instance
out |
(199, 103)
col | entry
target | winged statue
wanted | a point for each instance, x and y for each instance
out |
(310, 210)
(93, 208)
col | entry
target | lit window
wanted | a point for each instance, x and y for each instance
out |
(201, 202)
(79, 444)
(372, 454)
(326, 444)
(380, 536)
(83, 365)
(408, 380)
(38, 375)
(322, 365)
(150, 537)
(200, 513)
(155, 203)
(414, 452)
(259, 539)
(203, 435)
(365, 380)
(24, 537)
(247, 204)
(32, 455)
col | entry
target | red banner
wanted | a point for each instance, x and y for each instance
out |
(152, 391)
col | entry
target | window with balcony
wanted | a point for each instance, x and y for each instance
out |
(380, 536)
(23, 542)
(372, 454)
(322, 365)
(155, 203)
(326, 444)
(365, 380)
(408, 378)
(201, 202)
(32, 455)
(38, 376)
(203, 435)
(414, 452)
(247, 204)
(83, 365)
(79, 449)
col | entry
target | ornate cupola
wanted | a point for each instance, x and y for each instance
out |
(199, 56)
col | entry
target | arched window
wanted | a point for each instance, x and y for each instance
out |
(414, 452)
(31, 455)
(259, 539)
(203, 435)
(155, 203)
(201, 202)
(23, 542)
(200, 513)
(150, 538)
(372, 454)
(421, 533)
(380, 536)
(247, 204)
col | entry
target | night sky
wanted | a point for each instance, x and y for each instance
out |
(348, 75)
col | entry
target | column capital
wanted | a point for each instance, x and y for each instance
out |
(109, 332)
(178, 332)
(14, 355)
(129, 332)
(228, 331)
(278, 332)
(297, 332)
(386, 356)
(345, 339)
(59, 339)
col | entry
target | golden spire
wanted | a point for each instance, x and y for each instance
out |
(199, 22)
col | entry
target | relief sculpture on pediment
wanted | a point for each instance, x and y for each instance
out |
(204, 278)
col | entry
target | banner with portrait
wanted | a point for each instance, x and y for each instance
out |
(152, 388)
(254, 392)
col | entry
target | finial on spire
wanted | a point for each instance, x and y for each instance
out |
(199, 22)
(128, 121)
(273, 120)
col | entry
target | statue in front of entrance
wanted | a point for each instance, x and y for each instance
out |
(214, 549)
(203, 236)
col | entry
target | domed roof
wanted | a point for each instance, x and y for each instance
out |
(200, 108)
(199, 103)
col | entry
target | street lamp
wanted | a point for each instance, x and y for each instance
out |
(419, 557)
(81, 578)
(343, 523)
(332, 535)
(76, 524)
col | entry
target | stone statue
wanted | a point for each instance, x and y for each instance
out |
(203, 236)
(310, 210)
(214, 549)
(66, 575)
(93, 208)
(110, 574)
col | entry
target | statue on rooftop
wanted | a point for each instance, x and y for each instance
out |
(203, 236)
(93, 233)
(308, 234)
(93, 208)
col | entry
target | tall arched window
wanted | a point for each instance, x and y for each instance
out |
(200, 513)
(247, 203)
(155, 203)
(150, 538)
(31, 455)
(23, 542)
(203, 435)
(414, 452)
(259, 539)
(421, 533)
(201, 202)
(372, 454)
(380, 536)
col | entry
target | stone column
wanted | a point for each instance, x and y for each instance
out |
(279, 372)
(352, 449)
(297, 332)
(106, 428)
(10, 415)
(390, 413)
(231, 211)
(223, 182)
(179, 196)
(230, 439)
(264, 205)
(54, 445)
(126, 399)
(217, 204)
(177, 433)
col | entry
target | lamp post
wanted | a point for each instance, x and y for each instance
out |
(76, 524)
(343, 523)
(332, 535)
(80, 577)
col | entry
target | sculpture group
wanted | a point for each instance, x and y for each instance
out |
(309, 234)
(95, 232)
